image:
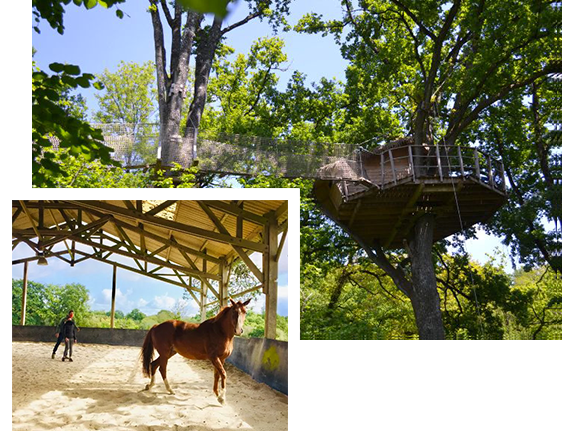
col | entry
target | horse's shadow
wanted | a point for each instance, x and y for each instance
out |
(124, 402)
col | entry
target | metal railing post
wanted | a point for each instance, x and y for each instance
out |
(392, 165)
(461, 162)
(439, 163)
(476, 165)
(412, 162)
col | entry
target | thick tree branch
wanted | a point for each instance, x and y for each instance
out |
(521, 200)
(456, 130)
(424, 107)
(415, 18)
(167, 14)
(364, 36)
(160, 52)
(242, 22)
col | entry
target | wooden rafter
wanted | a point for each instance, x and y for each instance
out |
(240, 251)
(168, 224)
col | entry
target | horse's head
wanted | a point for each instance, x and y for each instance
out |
(238, 315)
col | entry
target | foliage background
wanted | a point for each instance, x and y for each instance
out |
(48, 304)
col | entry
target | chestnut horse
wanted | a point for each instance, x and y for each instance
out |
(211, 340)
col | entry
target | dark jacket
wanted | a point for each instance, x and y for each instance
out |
(69, 330)
(60, 326)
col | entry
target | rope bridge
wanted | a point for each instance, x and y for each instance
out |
(236, 154)
(249, 155)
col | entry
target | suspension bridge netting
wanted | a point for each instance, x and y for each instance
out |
(237, 154)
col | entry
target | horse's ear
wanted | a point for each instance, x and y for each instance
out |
(232, 302)
(247, 302)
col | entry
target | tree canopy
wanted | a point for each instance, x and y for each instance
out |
(480, 73)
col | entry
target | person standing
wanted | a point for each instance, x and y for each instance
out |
(69, 332)
(58, 331)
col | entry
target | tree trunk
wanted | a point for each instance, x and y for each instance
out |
(206, 49)
(171, 86)
(424, 297)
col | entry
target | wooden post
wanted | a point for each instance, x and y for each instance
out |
(270, 276)
(476, 164)
(439, 163)
(490, 172)
(382, 169)
(223, 284)
(502, 172)
(24, 294)
(203, 308)
(392, 165)
(461, 162)
(113, 290)
(412, 162)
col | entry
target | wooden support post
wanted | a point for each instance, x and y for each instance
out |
(223, 284)
(476, 164)
(203, 305)
(270, 274)
(439, 163)
(24, 294)
(382, 169)
(502, 173)
(392, 165)
(461, 162)
(412, 162)
(490, 172)
(113, 291)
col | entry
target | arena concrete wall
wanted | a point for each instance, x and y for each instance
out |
(264, 359)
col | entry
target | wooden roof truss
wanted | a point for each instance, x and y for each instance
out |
(191, 244)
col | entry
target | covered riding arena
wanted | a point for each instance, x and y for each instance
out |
(192, 244)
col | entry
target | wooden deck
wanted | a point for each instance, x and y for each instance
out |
(399, 189)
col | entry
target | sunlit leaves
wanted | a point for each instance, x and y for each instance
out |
(217, 7)
(53, 10)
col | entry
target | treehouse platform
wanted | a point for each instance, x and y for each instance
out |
(398, 183)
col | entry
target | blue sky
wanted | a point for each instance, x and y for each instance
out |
(97, 40)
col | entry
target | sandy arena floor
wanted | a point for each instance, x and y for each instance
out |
(102, 390)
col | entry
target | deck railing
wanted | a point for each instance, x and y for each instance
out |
(440, 164)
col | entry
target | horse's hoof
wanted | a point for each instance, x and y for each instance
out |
(221, 400)
(171, 392)
(147, 388)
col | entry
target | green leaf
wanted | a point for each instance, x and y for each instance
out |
(57, 67)
(51, 94)
(119, 13)
(83, 82)
(217, 7)
(72, 69)
(90, 3)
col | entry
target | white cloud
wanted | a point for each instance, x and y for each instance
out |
(283, 292)
(163, 302)
(119, 296)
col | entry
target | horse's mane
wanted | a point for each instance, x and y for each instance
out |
(220, 315)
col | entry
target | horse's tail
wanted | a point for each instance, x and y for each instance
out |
(147, 352)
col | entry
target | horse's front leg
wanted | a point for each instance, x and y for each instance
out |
(219, 372)
(163, 367)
